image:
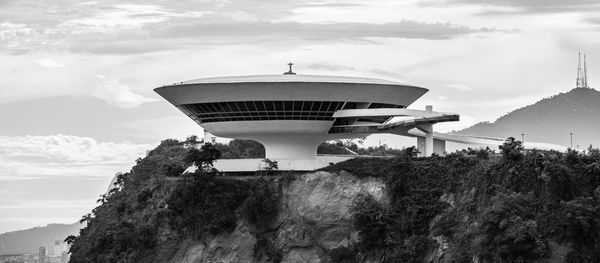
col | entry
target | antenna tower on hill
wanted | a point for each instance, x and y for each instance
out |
(582, 73)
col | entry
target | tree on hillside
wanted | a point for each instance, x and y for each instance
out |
(351, 143)
(268, 166)
(512, 149)
(192, 140)
(202, 158)
(245, 149)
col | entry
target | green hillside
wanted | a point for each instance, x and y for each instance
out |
(550, 120)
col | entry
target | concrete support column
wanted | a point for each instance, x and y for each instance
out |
(429, 141)
(425, 145)
(428, 130)
(421, 146)
(439, 146)
(290, 146)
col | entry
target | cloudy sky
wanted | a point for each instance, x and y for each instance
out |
(76, 99)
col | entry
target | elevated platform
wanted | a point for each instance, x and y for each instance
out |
(250, 165)
(487, 141)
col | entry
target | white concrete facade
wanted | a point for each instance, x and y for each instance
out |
(284, 164)
(292, 114)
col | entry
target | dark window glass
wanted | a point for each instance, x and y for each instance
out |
(288, 105)
(297, 105)
(258, 106)
(268, 110)
(279, 105)
(350, 105)
(318, 105)
(229, 107)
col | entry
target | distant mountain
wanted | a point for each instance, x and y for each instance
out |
(30, 240)
(550, 120)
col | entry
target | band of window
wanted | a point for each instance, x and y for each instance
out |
(269, 110)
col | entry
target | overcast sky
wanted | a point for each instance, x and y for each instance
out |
(76, 98)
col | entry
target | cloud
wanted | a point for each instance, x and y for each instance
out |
(14, 35)
(118, 28)
(49, 63)
(34, 25)
(178, 126)
(460, 87)
(194, 35)
(532, 6)
(321, 31)
(392, 75)
(30, 157)
(118, 94)
(334, 4)
(330, 67)
(125, 16)
(592, 20)
(465, 122)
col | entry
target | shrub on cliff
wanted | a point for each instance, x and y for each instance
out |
(205, 206)
(506, 230)
(579, 221)
(260, 207)
(371, 221)
(415, 187)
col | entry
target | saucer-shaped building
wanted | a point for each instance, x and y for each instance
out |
(292, 114)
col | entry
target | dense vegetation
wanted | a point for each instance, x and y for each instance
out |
(350, 147)
(507, 207)
(511, 208)
(153, 208)
(156, 206)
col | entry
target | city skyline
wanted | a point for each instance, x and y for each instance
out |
(77, 104)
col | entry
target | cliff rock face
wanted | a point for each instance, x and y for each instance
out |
(314, 217)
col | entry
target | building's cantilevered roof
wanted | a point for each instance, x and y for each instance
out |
(292, 78)
(290, 88)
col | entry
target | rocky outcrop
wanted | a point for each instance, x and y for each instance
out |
(237, 246)
(315, 215)
(314, 218)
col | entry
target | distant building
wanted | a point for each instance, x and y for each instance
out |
(57, 247)
(19, 258)
(12, 258)
(65, 257)
(42, 255)
(57, 259)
